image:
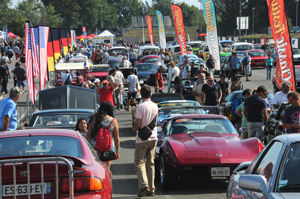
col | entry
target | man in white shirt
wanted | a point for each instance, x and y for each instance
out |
(175, 71)
(133, 82)
(197, 88)
(281, 96)
(125, 62)
(119, 90)
(185, 70)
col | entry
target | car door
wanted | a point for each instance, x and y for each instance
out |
(265, 165)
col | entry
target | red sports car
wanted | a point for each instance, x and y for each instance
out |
(27, 176)
(98, 71)
(258, 58)
(204, 146)
(155, 59)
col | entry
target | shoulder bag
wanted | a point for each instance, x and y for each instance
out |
(145, 132)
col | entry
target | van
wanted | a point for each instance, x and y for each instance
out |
(174, 50)
(242, 46)
(152, 49)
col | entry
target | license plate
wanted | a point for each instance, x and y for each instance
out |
(220, 171)
(259, 63)
(22, 189)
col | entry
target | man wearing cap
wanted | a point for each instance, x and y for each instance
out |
(106, 91)
(8, 110)
(159, 80)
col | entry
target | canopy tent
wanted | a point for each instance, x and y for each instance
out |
(80, 37)
(91, 36)
(10, 34)
(106, 33)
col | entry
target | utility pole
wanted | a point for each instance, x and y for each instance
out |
(240, 20)
(253, 9)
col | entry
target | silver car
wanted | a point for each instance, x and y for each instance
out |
(274, 173)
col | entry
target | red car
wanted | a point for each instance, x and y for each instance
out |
(205, 146)
(98, 71)
(91, 177)
(155, 59)
(258, 58)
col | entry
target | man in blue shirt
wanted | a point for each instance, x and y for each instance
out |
(234, 65)
(8, 110)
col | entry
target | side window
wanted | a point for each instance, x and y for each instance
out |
(267, 163)
(92, 149)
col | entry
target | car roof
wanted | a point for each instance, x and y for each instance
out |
(198, 116)
(172, 101)
(66, 111)
(242, 43)
(151, 56)
(100, 65)
(39, 132)
(289, 138)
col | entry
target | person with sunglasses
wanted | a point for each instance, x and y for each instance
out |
(291, 119)
(212, 92)
(281, 96)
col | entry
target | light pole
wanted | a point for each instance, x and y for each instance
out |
(240, 20)
(297, 1)
(253, 9)
(101, 18)
(200, 9)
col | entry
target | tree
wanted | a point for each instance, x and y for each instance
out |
(32, 10)
(5, 12)
(50, 18)
(164, 6)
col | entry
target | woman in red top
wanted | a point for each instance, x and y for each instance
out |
(159, 80)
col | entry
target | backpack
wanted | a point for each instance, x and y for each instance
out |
(245, 61)
(104, 139)
(234, 104)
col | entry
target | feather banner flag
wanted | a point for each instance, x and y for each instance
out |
(179, 27)
(150, 32)
(161, 30)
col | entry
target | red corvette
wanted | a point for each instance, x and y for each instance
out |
(91, 178)
(204, 146)
(258, 58)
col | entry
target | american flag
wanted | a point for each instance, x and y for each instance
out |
(28, 61)
(43, 42)
(35, 50)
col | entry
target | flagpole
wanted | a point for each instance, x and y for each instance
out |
(32, 66)
(143, 30)
(39, 58)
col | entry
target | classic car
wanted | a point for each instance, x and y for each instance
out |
(61, 69)
(205, 146)
(273, 174)
(51, 163)
(120, 50)
(159, 97)
(98, 71)
(225, 43)
(154, 59)
(146, 72)
(59, 118)
(81, 59)
(242, 46)
(152, 49)
(114, 62)
(258, 58)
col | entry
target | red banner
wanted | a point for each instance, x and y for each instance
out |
(179, 27)
(280, 30)
(150, 32)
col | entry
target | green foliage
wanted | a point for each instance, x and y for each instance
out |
(5, 12)
(164, 6)
(32, 10)
(17, 23)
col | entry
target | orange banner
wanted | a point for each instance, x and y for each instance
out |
(179, 27)
(150, 32)
(280, 30)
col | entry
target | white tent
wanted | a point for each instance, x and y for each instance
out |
(106, 33)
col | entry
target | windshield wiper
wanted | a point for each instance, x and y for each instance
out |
(289, 187)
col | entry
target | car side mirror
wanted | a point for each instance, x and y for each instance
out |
(252, 182)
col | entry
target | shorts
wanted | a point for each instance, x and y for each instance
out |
(247, 70)
(21, 83)
(132, 95)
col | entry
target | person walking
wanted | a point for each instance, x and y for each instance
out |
(20, 75)
(119, 77)
(133, 84)
(255, 111)
(234, 65)
(146, 113)
(210, 63)
(237, 85)
(212, 92)
(269, 65)
(104, 119)
(4, 72)
(224, 87)
(175, 71)
(8, 110)
(247, 65)
(159, 80)
(197, 88)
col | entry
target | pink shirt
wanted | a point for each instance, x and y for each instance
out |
(147, 111)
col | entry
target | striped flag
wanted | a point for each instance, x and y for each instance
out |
(56, 44)
(50, 53)
(35, 50)
(28, 61)
(73, 38)
(43, 41)
(64, 41)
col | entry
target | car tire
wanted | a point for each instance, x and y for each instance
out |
(168, 178)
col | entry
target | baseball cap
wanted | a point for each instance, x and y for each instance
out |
(15, 90)
(96, 80)
(105, 81)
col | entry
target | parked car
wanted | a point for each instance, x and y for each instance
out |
(159, 97)
(258, 58)
(273, 174)
(225, 43)
(119, 51)
(27, 176)
(242, 46)
(154, 59)
(146, 72)
(98, 71)
(62, 68)
(114, 62)
(206, 146)
(81, 59)
(154, 50)
(257, 46)
(59, 118)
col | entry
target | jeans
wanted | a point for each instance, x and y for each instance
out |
(117, 95)
(269, 68)
(255, 129)
(233, 74)
(144, 164)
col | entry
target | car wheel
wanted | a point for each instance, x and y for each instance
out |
(168, 178)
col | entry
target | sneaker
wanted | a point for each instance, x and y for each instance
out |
(150, 193)
(248, 80)
(143, 192)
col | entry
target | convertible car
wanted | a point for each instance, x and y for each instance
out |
(206, 146)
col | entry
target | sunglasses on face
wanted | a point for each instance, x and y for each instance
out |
(210, 80)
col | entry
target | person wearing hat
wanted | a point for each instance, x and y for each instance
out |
(237, 85)
(8, 110)
(96, 85)
(159, 80)
(194, 70)
(106, 91)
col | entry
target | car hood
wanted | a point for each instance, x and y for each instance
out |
(210, 148)
(98, 74)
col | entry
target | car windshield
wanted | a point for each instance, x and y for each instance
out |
(202, 125)
(168, 104)
(181, 111)
(48, 121)
(114, 63)
(195, 45)
(117, 51)
(198, 61)
(153, 51)
(243, 47)
(40, 145)
(146, 67)
(258, 53)
(99, 69)
(257, 46)
(225, 44)
(289, 180)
